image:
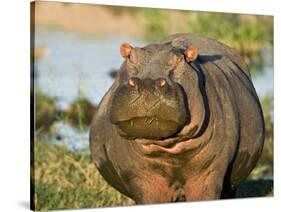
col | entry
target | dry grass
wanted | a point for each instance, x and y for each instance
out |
(68, 180)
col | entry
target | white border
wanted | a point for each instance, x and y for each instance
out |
(14, 110)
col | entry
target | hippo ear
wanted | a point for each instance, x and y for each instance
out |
(191, 54)
(125, 50)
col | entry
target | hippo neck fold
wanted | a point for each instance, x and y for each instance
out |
(172, 147)
(197, 104)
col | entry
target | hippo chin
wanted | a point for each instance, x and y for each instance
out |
(181, 122)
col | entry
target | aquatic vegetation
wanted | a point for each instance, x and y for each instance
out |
(45, 111)
(80, 113)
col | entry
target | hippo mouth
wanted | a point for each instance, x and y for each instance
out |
(148, 127)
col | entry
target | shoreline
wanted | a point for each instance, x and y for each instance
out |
(89, 19)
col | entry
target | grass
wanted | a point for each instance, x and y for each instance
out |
(64, 179)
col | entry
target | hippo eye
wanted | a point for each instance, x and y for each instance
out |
(177, 70)
(175, 59)
(133, 57)
(132, 68)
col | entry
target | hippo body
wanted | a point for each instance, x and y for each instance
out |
(182, 122)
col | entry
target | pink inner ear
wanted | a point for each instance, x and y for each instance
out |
(125, 50)
(191, 54)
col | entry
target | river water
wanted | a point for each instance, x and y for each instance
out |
(78, 65)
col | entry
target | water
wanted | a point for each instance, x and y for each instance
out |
(70, 137)
(79, 65)
(76, 65)
(264, 82)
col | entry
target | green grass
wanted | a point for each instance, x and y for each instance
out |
(68, 180)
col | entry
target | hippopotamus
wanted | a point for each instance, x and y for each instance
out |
(181, 122)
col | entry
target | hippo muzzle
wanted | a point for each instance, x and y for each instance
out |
(148, 108)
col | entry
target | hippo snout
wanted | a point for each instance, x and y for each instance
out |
(147, 83)
(148, 108)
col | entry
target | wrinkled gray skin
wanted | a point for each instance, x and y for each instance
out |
(196, 138)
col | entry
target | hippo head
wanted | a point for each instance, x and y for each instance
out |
(158, 94)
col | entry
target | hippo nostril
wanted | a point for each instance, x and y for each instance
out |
(132, 82)
(162, 82)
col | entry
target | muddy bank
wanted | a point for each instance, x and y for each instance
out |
(88, 19)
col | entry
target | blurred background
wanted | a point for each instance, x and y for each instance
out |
(75, 57)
